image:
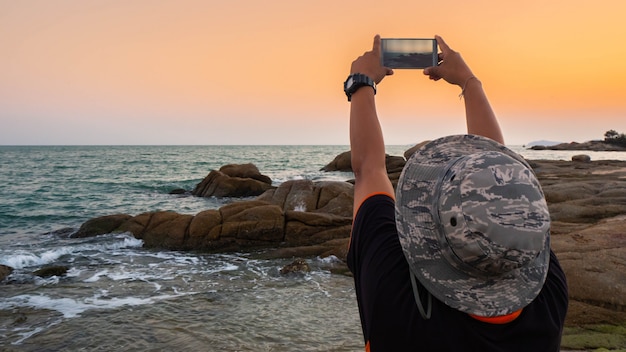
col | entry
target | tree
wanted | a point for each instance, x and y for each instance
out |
(610, 134)
(612, 137)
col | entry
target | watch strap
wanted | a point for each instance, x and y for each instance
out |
(356, 81)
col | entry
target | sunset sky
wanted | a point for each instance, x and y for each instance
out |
(271, 72)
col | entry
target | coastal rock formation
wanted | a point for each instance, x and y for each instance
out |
(413, 149)
(306, 196)
(343, 162)
(234, 180)
(394, 164)
(298, 213)
(100, 225)
(587, 201)
(598, 146)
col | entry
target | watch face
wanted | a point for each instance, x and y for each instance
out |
(349, 82)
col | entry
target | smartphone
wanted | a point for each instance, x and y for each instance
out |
(408, 53)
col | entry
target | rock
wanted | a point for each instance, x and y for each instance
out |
(252, 224)
(203, 227)
(162, 229)
(101, 225)
(589, 145)
(297, 266)
(587, 203)
(306, 228)
(308, 196)
(49, 271)
(245, 171)
(409, 152)
(594, 261)
(298, 213)
(65, 232)
(581, 158)
(337, 248)
(220, 184)
(394, 163)
(177, 191)
(5, 271)
(342, 162)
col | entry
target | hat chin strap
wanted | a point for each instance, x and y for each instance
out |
(418, 300)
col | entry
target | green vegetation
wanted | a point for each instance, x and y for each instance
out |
(594, 338)
(613, 137)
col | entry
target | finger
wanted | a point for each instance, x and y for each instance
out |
(376, 45)
(432, 73)
(444, 47)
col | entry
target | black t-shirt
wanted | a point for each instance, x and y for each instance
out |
(389, 314)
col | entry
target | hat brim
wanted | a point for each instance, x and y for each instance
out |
(418, 232)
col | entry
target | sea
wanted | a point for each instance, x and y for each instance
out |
(119, 296)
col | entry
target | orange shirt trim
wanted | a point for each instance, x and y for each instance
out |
(503, 319)
(370, 196)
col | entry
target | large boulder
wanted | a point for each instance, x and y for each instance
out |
(305, 228)
(161, 229)
(409, 152)
(248, 170)
(298, 213)
(101, 225)
(234, 180)
(587, 203)
(343, 162)
(307, 196)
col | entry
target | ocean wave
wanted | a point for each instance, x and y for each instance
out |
(22, 258)
(71, 308)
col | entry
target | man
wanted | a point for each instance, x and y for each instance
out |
(458, 258)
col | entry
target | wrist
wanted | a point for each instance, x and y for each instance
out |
(469, 81)
(362, 91)
(355, 82)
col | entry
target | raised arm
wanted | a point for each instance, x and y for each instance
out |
(367, 145)
(479, 115)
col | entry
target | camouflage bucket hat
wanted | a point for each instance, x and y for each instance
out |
(474, 225)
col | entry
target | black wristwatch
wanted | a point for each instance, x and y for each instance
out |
(356, 81)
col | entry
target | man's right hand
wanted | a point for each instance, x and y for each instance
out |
(369, 63)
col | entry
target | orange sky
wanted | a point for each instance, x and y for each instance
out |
(271, 72)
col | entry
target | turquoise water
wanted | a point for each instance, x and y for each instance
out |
(119, 296)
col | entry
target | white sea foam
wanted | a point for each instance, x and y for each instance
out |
(301, 207)
(21, 258)
(329, 260)
(95, 277)
(71, 308)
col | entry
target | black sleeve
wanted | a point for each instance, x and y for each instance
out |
(376, 260)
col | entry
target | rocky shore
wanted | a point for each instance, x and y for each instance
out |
(596, 146)
(302, 218)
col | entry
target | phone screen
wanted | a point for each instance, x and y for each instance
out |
(409, 53)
